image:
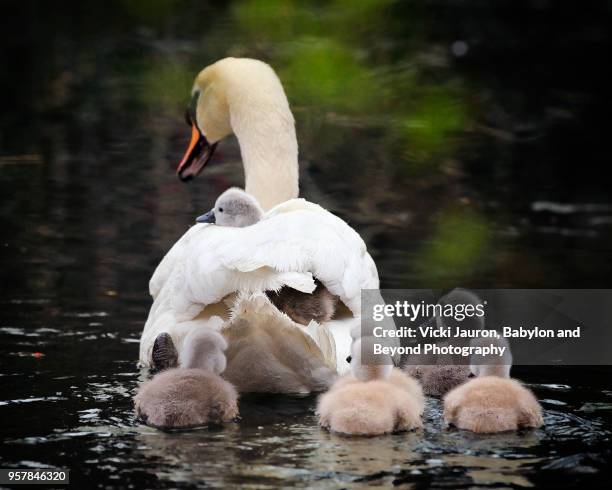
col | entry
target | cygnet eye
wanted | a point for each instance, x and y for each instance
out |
(349, 359)
(220, 210)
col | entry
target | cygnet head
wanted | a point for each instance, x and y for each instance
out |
(365, 365)
(203, 348)
(233, 208)
(460, 299)
(491, 365)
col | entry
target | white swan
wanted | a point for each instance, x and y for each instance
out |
(222, 272)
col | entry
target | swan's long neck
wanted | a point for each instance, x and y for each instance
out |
(266, 133)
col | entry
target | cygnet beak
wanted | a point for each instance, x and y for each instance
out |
(207, 218)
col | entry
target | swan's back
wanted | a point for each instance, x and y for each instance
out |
(293, 244)
(296, 237)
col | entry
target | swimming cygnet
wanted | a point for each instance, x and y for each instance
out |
(492, 402)
(236, 208)
(439, 374)
(373, 399)
(436, 374)
(194, 394)
(437, 380)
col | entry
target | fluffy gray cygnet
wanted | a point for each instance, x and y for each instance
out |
(194, 394)
(233, 208)
(492, 402)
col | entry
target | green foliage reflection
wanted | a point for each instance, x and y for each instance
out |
(457, 248)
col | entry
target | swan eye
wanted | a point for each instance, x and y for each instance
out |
(220, 210)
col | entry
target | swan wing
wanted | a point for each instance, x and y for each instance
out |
(285, 248)
(294, 242)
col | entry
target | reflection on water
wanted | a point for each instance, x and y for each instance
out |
(462, 140)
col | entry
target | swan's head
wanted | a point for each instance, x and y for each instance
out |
(226, 94)
(491, 365)
(233, 208)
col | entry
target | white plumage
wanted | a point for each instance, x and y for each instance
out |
(215, 277)
(295, 241)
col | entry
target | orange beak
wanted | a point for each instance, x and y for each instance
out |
(197, 155)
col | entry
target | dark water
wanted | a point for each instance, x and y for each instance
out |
(467, 142)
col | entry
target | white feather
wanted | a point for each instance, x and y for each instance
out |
(295, 241)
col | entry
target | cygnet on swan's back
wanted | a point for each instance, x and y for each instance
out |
(238, 209)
